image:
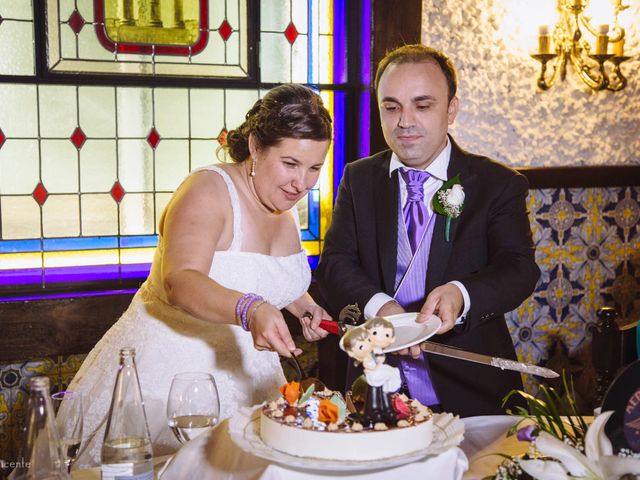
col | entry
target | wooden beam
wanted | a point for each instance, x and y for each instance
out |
(582, 177)
(63, 326)
(395, 23)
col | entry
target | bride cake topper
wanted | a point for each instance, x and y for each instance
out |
(365, 345)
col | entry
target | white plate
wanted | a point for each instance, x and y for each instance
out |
(244, 428)
(408, 332)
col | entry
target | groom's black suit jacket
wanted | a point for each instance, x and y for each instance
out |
(490, 251)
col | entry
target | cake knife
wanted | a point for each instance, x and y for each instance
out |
(339, 328)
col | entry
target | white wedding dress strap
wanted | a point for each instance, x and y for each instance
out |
(236, 242)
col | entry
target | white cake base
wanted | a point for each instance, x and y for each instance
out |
(345, 446)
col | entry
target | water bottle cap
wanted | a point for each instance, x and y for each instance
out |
(40, 383)
(127, 352)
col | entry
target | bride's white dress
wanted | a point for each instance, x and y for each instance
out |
(169, 341)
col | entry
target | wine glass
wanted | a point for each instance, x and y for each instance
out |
(193, 407)
(70, 430)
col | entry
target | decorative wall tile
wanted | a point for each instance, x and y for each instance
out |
(14, 382)
(587, 248)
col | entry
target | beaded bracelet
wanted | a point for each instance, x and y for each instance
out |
(247, 297)
(242, 307)
(244, 317)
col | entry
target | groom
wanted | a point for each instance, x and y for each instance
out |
(467, 262)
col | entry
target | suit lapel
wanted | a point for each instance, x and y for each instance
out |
(440, 248)
(386, 218)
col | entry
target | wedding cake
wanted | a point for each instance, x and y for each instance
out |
(319, 425)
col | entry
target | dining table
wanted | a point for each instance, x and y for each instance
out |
(219, 456)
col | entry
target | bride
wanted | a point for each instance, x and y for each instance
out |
(228, 259)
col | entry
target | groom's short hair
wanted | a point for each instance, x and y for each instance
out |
(418, 53)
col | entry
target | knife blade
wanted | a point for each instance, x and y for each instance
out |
(338, 328)
(498, 362)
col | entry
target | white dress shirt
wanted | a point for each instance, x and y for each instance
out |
(438, 175)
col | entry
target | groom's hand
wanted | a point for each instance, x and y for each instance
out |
(390, 308)
(393, 308)
(446, 302)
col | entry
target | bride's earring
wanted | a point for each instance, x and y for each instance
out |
(253, 167)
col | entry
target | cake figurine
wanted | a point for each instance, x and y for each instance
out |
(365, 344)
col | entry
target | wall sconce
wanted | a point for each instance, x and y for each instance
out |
(568, 45)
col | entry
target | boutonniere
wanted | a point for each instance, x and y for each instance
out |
(449, 201)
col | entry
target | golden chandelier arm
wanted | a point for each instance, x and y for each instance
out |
(571, 48)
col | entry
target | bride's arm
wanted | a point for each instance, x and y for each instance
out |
(197, 222)
(309, 313)
(192, 227)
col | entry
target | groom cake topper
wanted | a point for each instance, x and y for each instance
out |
(365, 344)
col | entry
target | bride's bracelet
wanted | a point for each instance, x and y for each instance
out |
(242, 307)
(243, 299)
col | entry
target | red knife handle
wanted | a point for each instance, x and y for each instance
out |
(330, 326)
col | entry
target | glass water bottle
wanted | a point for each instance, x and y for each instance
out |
(126, 451)
(41, 452)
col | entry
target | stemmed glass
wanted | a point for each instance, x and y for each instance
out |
(70, 429)
(193, 407)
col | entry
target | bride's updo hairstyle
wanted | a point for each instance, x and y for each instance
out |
(286, 111)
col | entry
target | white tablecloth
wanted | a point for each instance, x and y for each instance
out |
(484, 438)
(217, 457)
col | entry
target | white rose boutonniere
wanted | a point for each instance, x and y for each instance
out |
(449, 201)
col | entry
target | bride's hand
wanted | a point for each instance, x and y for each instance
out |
(310, 322)
(270, 332)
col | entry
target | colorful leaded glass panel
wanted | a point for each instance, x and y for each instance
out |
(17, 51)
(86, 171)
(149, 37)
(284, 41)
(84, 198)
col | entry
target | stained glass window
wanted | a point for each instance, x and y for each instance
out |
(16, 38)
(87, 168)
(297, 40)
(149, 37)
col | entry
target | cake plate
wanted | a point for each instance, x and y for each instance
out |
(244, 428)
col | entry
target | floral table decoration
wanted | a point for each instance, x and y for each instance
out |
(562, 445)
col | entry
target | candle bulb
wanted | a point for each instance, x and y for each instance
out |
(618, 48)
(602, 40)
(544, 40)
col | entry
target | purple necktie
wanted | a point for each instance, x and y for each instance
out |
(410, 292)
(416, 215)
